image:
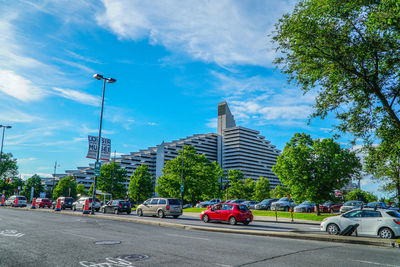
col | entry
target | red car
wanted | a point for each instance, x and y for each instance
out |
(229, 212)
(43, 202)
(329, 206)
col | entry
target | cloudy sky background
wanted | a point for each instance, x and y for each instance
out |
(173, 61)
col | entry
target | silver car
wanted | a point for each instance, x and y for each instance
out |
(80, 203)
(12, 201)
(350, 205)
(160, 207)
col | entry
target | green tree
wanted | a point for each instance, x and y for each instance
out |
(383, 162)
(201, 178)
(141, 184)
(280, 191)
(313, 169)
(81, 190)
(8, 169)
(350, 51)
(358, 194)
(66, 187)
(236, 181)
(262, 189)
(248, 188)
(111, 180)
(91, 190)
(36, 182)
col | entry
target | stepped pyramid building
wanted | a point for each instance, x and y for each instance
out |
(233, 147)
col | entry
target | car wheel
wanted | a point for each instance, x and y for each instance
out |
(332, 211)
(246, 223)
(232, 220)
(74, 208)
(128, 212)
(103, 210)
(386, 233)
(160, 214)
(286, 209)
(206, 219)
(175, 216)
(116, 211)
(333, 229)
(139, 213)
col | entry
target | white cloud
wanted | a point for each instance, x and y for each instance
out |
(78, 96)
(152, 123)
(212, 123)
(18, 87)
(12, 115)
(225, 31)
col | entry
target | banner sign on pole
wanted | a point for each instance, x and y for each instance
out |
(105, 148)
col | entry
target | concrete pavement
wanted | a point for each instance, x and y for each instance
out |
(291, 235)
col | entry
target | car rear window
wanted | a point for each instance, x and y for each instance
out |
(393, 213)
(173, 201)
(242, 207)
(124, 203)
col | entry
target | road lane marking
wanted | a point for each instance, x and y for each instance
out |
(11, 233)
(81, 235)
(376, 263)
(223, 265)
(192, 237)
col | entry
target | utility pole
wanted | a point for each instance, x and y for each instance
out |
(182, 186)
(54, 177)
(113, 173)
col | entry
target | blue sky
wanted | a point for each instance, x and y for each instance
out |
(173, 61)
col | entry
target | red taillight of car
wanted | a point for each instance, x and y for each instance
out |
(396, 221)
(167, 207)
(120, 205)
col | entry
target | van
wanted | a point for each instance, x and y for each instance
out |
(161, 207)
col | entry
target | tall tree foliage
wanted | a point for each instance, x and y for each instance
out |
(262, 189)
(201, 178)
(66, 187)
(313, 169)
(358, 194)
(280, 191)
(36, 182)
(383, 162)
(111, 180)
(81, 190)
(350, 51)
(141, 184)
(8, 169)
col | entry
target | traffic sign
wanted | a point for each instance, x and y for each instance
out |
(97, 167)
(182, 188)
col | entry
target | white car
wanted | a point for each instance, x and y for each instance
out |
(373, 222)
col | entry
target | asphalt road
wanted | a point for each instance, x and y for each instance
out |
(46, 239)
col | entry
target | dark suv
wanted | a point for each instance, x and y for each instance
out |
(117, 206)
(66, 202)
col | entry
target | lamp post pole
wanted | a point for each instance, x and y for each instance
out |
(182, 186)
(109, 80)
(2, 139)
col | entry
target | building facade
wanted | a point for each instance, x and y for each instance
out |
(233, 147)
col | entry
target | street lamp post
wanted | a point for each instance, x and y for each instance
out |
(182, 186)
(109, 80)
(2, 139)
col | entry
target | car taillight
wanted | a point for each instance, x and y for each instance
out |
(120, 205)
(167, 207)
(396, 221)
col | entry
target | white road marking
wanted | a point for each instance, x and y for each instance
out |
(11, 233)
(223, 265)
(81, 235)
(376, 263)
(192, 237)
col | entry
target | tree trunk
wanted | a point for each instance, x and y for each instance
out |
(318, 213)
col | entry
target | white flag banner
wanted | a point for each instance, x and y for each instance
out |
(105, 148)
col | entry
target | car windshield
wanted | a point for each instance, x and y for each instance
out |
(242, 207)
(305, 203)
(327, 203)
(174, 201)
(283, 199)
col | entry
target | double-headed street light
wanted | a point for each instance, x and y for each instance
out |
(109, 80)
(2, 139)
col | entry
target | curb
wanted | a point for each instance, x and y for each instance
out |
(290, 235)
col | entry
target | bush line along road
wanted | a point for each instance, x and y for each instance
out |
(85, 240)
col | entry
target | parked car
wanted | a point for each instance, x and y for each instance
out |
(211, 202)
(265, 204)
(43, 202)
(250, 204)
(160, 207)
(350, 205)
(187, 206)
(117, 207)
(80, 203)
(11, 201)
(237, 201)
(373, 222)
(229, 212)
(283, 204)
(394, 206)
(381, 205)
(66, 203)
(329, 206)
(306, 206)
